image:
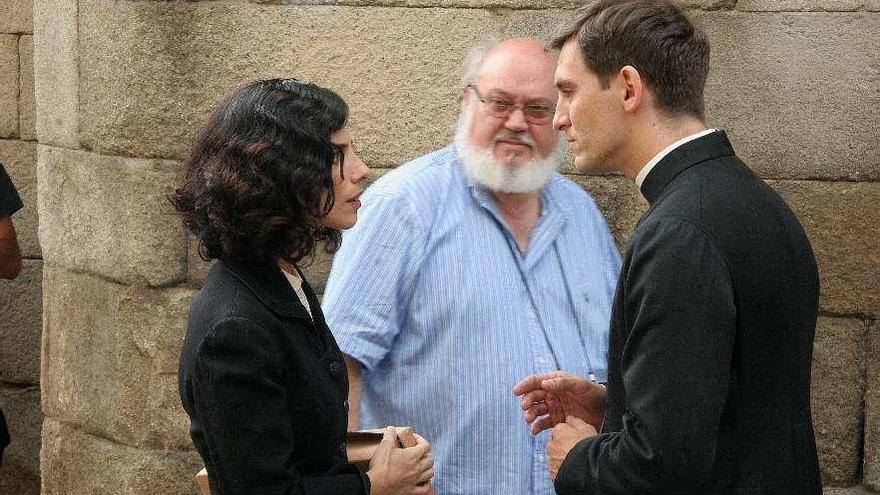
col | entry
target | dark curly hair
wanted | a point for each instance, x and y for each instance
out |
(260, 175)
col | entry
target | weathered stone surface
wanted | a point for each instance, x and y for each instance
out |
(795, 108)
(853, 490)
(317, 269)
(20, 325)
(26, 107)
(838, 384)
(20, 160)
(872, 409)
(110, 216)
(808, 5)
(620, 202)
(151, 71)
(16, 16)
(499, 4)
(20, 474)
(482, 4)
(110, 355)
(8, 85)
(56, 72)
(76, 463)
(843, 223)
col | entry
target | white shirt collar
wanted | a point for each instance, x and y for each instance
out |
(640, 178)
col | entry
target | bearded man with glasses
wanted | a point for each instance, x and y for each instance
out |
(469, 268)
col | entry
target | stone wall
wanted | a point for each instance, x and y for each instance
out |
(20, 299)
(122, 86)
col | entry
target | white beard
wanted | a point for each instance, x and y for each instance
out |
(484, 169)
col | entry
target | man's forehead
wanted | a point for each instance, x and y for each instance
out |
(520, 82)
(571, 65)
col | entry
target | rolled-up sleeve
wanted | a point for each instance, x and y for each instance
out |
(372, 277)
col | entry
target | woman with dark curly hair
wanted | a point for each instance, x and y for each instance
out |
(261, 377)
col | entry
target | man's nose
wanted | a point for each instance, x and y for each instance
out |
(561, 121)
(516, 120)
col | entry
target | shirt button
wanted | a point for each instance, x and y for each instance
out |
(541, 458)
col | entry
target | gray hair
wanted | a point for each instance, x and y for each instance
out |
(474, 59)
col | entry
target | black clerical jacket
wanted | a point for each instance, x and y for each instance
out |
(265, 387)
(711, 342)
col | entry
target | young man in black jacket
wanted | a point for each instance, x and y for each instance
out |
(715, 311)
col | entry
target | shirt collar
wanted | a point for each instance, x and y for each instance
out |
(640, 178)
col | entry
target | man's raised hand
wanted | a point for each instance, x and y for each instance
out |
(548, 398)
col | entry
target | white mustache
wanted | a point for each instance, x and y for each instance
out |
(507, 135)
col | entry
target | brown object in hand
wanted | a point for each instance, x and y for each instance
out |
(361, 446)
(202, 478)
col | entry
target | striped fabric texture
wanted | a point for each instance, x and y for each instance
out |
(431, 294)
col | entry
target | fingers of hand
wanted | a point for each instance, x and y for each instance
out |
(388, 442)
(420, 450)
(422, 490)
(563, 382)
(561, 429)
(425, 476)
(542, 424)
(426, 463)
(554, 469)
(536, 411)
(532, 397)
(533, 382)
(576, 423)
(527, 384)
(421, 440)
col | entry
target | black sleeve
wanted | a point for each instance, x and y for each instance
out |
(679, 307)
(240, 400)
(10, 202)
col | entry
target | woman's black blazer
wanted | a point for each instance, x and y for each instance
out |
(265, 387)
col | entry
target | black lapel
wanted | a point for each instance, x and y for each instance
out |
(265, 280)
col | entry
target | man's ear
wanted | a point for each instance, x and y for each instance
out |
(632, 88)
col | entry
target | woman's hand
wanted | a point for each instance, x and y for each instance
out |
(397, 470)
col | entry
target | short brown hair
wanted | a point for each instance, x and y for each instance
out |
(655, 37)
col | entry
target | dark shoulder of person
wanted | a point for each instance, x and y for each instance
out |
(10, 201)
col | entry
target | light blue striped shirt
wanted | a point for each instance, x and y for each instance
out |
(430, 293)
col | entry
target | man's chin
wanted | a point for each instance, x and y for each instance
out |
(514, 160)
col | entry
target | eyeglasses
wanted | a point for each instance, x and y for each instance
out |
(501, 109)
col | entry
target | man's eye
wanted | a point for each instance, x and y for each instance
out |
(500, 104)
(537, 110)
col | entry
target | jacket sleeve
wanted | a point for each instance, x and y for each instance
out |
(678, 305)
(241, 404)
